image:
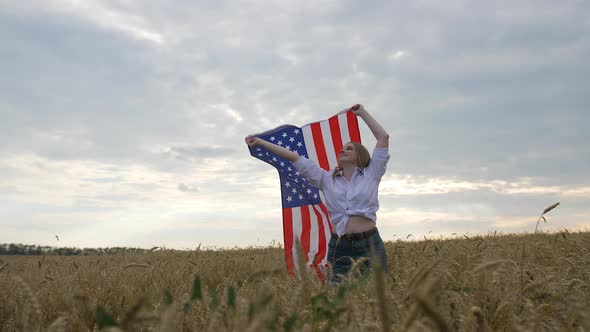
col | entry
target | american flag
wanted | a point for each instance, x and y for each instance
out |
(305, 217)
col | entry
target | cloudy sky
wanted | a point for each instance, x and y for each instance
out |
(122, 122)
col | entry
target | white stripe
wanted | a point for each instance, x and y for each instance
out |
(344, 133)
(313, 235)
(327, 234)
(308, 138)
(322, 197)
(328, 144)
(297, 228)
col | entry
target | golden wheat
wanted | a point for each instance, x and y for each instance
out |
(472, 283)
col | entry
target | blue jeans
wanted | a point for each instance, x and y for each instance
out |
(342, 252)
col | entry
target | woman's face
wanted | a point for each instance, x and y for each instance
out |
(347, 154)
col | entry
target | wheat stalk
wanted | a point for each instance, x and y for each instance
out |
(431, 311)
(31, 319)
(136, 265)
(476, 311)
(60, 324)
(545, 211)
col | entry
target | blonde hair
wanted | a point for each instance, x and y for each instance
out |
(362, 154)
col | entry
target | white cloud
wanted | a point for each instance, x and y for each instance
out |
(106, 131)
(398, 55)
(410, 185)
(234, 114)
(188, 188)
(120, 17)
(126, 20)
(287, 52)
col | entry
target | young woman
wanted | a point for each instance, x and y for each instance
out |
(351, 196)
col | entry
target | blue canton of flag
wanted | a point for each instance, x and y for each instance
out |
(295, 190)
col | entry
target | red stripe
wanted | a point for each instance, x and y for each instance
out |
(305, 231)
(336, 136)
(325, 210)
(321, 238)
(288, 238)
(320, 274)
(353, 127)
(320, 149)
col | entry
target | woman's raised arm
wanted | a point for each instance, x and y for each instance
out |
(378, 131)
(278, 150)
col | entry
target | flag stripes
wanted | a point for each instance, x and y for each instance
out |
(288, 237)
(331, 153)
(324, 140)
(336, 134)
(353, 127)
(320, 147)
(322, 230)
(305, 230)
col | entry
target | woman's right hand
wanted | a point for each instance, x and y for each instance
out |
(252, 141)
(358, 109)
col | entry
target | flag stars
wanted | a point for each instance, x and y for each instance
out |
(297, 191)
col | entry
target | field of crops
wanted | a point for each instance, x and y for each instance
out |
(495, 282)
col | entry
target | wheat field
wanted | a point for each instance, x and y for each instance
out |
(514, 282)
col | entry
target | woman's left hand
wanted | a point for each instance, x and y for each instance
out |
(358, 109)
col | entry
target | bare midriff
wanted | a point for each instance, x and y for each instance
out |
(358, 224)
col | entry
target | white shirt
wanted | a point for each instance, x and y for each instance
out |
(344, 198)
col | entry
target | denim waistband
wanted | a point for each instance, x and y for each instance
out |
(356, 236)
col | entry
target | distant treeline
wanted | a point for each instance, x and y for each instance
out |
(33, 250)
